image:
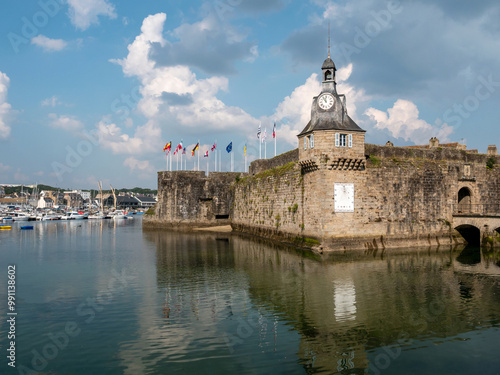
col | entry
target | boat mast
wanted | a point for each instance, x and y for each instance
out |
(102, 200)
(114, 195)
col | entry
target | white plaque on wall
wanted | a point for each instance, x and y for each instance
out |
(344, 197)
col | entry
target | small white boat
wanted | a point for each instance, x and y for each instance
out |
(99, 216)
(73, 216)
(20, 216)
(50, 217)
(120, 215)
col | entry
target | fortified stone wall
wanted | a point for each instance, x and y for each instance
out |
(270, 203)
(261, 165)
(404, 197)
(190, 199)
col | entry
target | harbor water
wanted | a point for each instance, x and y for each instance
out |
(104, 297)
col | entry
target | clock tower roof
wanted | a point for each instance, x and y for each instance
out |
(329, 110)
(328, 64)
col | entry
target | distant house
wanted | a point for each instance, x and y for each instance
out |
(16, 202)
(73, 200)
(45, 202)
(125, 201)
(145, 202)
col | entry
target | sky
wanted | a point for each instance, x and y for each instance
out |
(93, 89)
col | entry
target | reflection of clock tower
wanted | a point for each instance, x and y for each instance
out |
(331, 139)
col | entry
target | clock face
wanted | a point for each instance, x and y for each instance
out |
(325, 101)
(344, 197)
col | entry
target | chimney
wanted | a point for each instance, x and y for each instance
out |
(433, 142)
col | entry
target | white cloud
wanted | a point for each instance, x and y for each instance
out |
(402, 122)
(147, 138)
(141, 165)
(48, 44)
(84, 13)
(5, 108)
(51, 102)
(170, 94)
(67, 123)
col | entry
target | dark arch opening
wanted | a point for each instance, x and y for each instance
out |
(328, 75)
(464, 200)
(470, 233)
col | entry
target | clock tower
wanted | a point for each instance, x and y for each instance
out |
(331, 138)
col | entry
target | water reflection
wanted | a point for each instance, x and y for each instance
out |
(344, 308)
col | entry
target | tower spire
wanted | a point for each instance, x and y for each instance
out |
(328, 39)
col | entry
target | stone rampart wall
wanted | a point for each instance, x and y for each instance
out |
(270, 203)
(188, 199)
(261, 165)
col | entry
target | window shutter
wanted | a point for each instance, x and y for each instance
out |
(337, 140)
(349, 140)
(312, 140)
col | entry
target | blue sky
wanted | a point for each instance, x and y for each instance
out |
(93, 89)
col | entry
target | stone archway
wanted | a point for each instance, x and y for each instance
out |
(470, 233)
(464, 200)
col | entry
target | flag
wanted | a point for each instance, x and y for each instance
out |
(258, 132)
(245, 153)
(175, 151)
(195, 148)
(167, 146)
(179, 147)
(184, 151)
(264, 136)
(214, 146)
(274, 130)
(229, 147)
(206, 154)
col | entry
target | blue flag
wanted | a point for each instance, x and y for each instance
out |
(229, 147)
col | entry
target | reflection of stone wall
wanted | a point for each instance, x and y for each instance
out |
(343, 307)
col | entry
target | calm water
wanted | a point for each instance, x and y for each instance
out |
(106, 298)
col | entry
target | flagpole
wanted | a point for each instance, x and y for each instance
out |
(215, 161)
(181, 159)
(274, 142)
(208, 171)
(170, 162)
(260, 148)
(198, 155)
(220, 162)
(265, 148)
(177, 159)
(232, 161)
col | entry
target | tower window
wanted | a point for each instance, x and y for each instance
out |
(305, 143)
(328, 75)
(311, 140)
(343, 140)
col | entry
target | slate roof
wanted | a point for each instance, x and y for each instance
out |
(328, 64)
(325, 123)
